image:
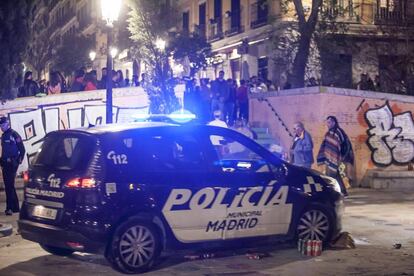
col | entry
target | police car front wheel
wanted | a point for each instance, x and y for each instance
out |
(135, 246)
(315, 223)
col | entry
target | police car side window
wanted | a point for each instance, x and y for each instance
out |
(173, 152)
(235, 154)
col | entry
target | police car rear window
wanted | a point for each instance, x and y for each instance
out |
(63, 152)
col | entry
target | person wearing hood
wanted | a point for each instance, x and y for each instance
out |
(336, 148)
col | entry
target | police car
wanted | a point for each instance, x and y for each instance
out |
(132, 191)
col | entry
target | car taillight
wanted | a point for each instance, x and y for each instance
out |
(85, 183)
(26, 177)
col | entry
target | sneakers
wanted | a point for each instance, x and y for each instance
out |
(8, 212)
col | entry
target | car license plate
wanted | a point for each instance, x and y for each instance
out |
(43, 212)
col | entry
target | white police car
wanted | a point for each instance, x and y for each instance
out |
(131, 191)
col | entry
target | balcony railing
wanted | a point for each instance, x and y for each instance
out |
(200, 29)
(384, 16)
(64, 19)
(85, 22)
(392, 15)
(341, 11)
(216, 29)
(259, 14)
(232, 23)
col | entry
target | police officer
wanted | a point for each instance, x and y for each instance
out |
(12, 153)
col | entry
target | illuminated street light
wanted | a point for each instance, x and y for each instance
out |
(114, 52)
(92, 55)
(160, 44)
(110, 12)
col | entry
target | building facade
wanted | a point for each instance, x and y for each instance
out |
(373, 34)
(54, 21)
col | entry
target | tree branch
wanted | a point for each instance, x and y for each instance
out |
(313, 17)
(299, 11)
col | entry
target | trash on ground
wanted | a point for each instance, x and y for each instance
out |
(256, 255)
(343, 241)
(397, 245)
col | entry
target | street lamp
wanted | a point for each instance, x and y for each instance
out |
(114, 52)
(92, 55)
(110, 12)
(160, 44)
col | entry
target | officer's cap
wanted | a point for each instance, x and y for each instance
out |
(3, 120)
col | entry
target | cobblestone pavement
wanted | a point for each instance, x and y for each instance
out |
(376, 219)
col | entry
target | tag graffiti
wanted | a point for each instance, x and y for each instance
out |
(390, 137)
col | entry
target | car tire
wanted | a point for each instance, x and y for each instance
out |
(58, 251)
(315, 223)
(135, 246)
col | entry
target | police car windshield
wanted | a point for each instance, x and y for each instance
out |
(64, 152)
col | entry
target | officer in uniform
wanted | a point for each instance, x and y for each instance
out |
(12, 154)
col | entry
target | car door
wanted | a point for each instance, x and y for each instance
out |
(178, 175)
(254, 192)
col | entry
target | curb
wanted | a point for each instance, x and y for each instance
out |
(5, 230)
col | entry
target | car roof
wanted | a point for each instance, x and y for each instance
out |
(115, 128)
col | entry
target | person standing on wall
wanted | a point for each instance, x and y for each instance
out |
(336, 148)
(301, 152)
(221, 91)
(12, 154)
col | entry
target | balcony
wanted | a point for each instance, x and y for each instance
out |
(200, 30)
(392, 13)
(232, 23)
(340, 13)
(387, 17)
(85, 22)
(259, 14)
(216, 29)
(64, 19)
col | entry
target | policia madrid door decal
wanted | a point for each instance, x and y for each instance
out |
(205, 215)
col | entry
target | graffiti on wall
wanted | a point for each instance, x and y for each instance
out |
(33, 124)
(390, 136)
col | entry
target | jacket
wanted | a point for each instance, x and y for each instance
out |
(302, 150)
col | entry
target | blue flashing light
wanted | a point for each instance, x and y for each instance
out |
(180, 116)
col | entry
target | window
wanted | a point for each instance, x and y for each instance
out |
(234, 156)
(65, 153)
(186, 21)
(262, 64)
(202, 19)
(174, 153)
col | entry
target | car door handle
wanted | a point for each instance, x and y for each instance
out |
(229, 170)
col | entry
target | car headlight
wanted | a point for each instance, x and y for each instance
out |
(332, 182)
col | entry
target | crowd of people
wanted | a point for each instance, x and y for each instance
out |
(205, 96)
(82, 81)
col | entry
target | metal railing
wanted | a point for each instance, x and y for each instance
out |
(392, 13)
(232, 23)
(200, 29)
(259, 14)
(216, 29)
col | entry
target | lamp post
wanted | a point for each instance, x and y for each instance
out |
(110, 12)
(92, 56)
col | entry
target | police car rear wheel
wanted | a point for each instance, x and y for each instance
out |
(57, 250)
(315, 224)
(135, 247)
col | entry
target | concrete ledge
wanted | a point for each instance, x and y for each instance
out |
(389, 180)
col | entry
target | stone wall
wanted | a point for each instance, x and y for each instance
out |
(380, 125)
